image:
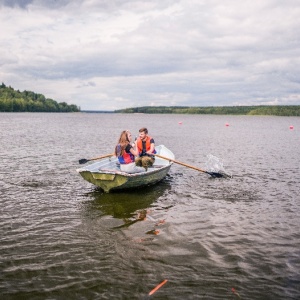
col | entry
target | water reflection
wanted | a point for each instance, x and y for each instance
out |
(131, 204)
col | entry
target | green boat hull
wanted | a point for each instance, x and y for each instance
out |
(118, 181)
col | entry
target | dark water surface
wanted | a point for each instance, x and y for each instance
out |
(60, 238)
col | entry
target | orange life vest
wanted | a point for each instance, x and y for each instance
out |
(140, 145)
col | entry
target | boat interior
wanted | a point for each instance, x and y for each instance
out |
(112, 164)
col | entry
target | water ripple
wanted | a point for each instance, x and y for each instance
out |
(61, 238)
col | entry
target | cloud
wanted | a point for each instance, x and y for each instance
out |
(115, 54)
(24, 4)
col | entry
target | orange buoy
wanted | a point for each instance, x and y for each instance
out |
(179, 123)
(226, 124)
(291, 127)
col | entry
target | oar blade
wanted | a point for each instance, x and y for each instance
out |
(83, 161)
(218, 174)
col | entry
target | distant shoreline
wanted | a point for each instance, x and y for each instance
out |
(98, 111)
(261, 110)
(12, 100)
(284, 111)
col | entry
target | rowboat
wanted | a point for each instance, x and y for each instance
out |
(107, 175)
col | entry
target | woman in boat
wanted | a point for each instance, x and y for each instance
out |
(126, 154)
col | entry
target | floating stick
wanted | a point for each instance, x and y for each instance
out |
(158, 287)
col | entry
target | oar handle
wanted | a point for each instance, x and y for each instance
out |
(83, 160)
(180, 163)
(103, 156)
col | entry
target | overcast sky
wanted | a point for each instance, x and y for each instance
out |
(112, 54)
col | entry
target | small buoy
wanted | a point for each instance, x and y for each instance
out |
(291, 127)
(179, 123)
(227, 124)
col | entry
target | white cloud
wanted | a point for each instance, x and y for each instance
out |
(114, 54)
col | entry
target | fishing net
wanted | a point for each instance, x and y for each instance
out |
(215, 164)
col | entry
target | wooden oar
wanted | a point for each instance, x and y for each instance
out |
(84, 160)
(213, 174)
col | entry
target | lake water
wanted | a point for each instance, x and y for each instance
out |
(61, 238)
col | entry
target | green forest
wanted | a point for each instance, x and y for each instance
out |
(274, 110)
(15, 101)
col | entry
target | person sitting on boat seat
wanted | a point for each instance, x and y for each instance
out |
(145, 146)
(126, 154)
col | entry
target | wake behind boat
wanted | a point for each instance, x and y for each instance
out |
(107, 175)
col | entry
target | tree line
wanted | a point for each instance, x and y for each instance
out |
(274, 110)
(15, 101)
